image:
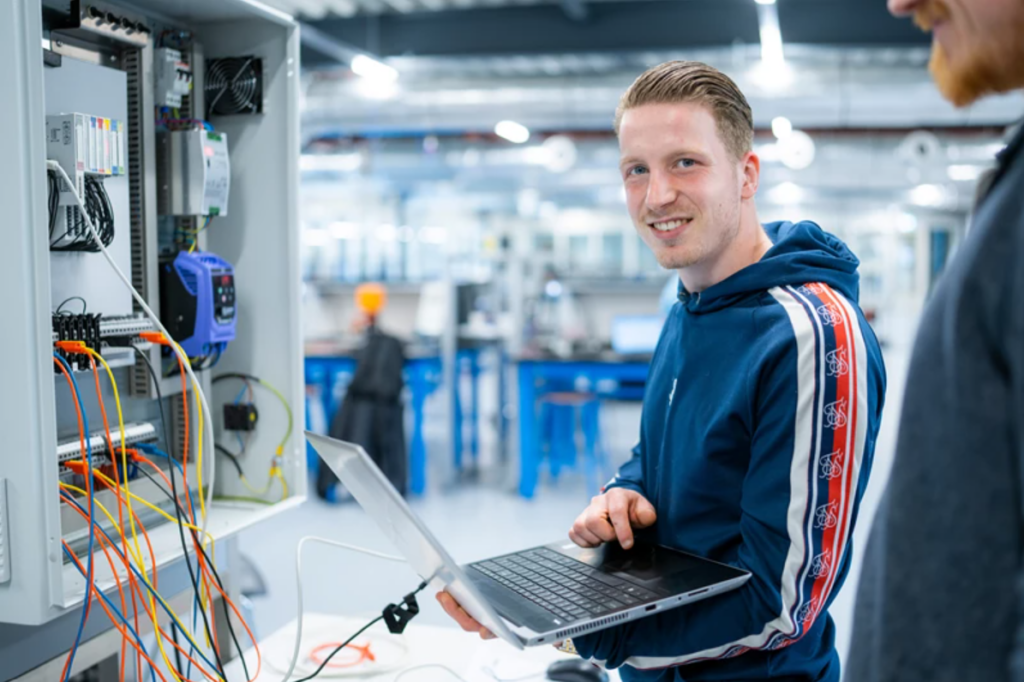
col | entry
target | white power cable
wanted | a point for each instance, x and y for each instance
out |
(430, 665)
(54, 166)
(298, 583)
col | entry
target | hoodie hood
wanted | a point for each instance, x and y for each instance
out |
(801, 253)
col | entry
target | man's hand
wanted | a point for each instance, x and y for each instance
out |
(613, 516)
(465, 621)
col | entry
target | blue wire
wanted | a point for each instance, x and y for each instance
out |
(139, 576)
(92, 517)
(120, 616)
(151, 449)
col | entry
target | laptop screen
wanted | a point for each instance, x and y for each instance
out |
(636, 334)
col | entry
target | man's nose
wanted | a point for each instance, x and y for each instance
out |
(660, 192)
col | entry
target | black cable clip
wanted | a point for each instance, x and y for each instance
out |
(397, 616)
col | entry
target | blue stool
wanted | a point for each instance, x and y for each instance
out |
(560, 415)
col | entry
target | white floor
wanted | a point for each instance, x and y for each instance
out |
(473, 521)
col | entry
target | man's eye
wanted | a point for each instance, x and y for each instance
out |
(637, 170)
(686, 163)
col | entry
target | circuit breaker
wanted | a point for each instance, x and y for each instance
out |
(194, 173)
(173, 77)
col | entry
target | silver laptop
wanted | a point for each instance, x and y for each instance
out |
(540, 595)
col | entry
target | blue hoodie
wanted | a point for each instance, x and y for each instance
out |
(759, 425)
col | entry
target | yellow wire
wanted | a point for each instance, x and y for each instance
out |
(184, 524)
(205, 597)
(199, 442)
(146, 503)
(139, 559)
(131, 514)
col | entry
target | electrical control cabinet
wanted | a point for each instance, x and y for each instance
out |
(250, 260)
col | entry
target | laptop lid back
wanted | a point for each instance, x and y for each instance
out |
(383, 504)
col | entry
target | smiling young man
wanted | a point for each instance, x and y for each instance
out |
(761, 410)
(942, 593)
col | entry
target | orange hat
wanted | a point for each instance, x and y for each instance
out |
(371, 298)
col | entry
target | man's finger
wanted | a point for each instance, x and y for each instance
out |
(642, 514)
(618, 514)
(460, 616)
(583, 537)
(598, 524)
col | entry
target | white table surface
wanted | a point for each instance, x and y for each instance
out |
(473, 659)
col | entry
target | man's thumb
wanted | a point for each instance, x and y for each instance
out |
(643, 513)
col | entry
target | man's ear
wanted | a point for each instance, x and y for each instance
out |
(751, 175)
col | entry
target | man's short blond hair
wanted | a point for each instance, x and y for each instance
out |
(680, 82)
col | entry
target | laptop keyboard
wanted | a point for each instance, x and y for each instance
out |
(569, 589)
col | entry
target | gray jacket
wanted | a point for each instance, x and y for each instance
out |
(940, 597)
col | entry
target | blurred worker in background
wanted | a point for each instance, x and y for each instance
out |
(941, 594)
(762, 405)
(372, 413)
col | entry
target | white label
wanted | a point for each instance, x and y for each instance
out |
(94, 136)
(218, 175)
(80, 142)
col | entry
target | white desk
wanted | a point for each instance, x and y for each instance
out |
(472, 658)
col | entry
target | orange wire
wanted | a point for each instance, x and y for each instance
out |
(152, 559)
(145, 460)
(204, 574)
(135, 585)
(120, 502)
(81, 441)
(120, 628)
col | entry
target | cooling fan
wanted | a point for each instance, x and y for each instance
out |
(234, 85)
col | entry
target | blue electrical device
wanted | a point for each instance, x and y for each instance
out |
(197, 302)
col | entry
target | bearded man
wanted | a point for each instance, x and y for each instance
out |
(941, 593)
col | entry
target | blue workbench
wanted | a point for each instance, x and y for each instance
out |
(330, 374)
(607, 378)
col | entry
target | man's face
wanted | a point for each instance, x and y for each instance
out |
(978, 46)
(684, 188)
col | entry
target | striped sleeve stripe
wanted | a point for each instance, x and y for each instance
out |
(843, 422)
(811, 358)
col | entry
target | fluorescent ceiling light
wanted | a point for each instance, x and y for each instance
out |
(771, 44)
(797, 150)
(765, 2)
(786, 193)
(964, 173)
(370, 68)
(928, 195)
(781, 127)
(512, 131)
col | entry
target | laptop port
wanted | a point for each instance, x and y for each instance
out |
(651, 607)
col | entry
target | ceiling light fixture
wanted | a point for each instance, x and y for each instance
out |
(781, 127)
(964, 173)
(512, 131)
(372, 69)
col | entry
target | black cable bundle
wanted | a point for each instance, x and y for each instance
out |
(76, 236)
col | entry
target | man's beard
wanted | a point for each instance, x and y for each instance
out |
(992, 67)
